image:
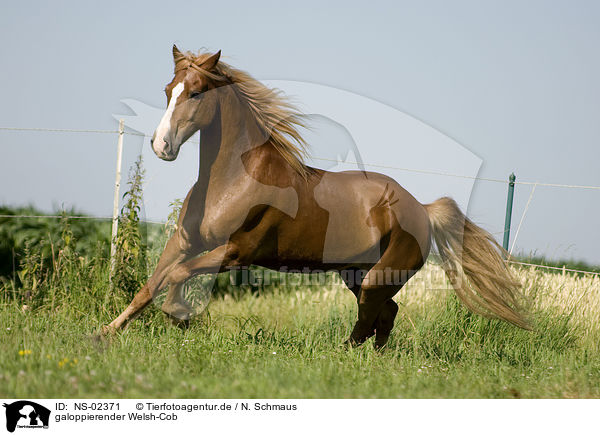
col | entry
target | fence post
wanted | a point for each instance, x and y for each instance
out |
(509, 206)
(115, 216)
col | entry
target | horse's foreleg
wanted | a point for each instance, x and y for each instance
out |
(214, 261)
(139, 302)
(175, 305)
(171, 256)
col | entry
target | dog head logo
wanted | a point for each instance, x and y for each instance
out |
(26, 414)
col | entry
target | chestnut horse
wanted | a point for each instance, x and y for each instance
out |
(256, 203)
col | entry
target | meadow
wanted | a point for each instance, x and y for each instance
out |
(284, 341)
(277, 339)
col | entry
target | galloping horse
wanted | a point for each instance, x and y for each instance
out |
(256, 203)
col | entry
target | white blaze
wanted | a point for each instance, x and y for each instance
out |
(165, 122)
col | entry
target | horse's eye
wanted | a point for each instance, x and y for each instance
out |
(195, 94)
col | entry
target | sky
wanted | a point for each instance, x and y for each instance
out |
(514, 83)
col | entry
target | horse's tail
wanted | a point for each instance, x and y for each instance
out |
(472, 260)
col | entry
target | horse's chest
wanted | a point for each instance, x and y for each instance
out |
(216, 227)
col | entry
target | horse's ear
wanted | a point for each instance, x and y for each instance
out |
(211, 62)
(177, 55)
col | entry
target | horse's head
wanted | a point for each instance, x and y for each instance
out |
(189, 106)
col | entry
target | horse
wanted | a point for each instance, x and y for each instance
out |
(256, 202)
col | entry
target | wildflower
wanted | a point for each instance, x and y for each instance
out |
(66, 362)
(24, 352)
(274, 353)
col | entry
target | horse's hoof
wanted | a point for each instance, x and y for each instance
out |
(380, 342)
(183, 324)
(107, 330)
(100, 340)
(351, 342)
(380, 347)
(177, 311)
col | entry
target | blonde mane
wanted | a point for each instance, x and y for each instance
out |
(273, 112)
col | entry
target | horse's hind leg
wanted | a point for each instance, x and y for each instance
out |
(353, 279)
(385, 323)
(373, 313)
(385, 319)
(376, 309)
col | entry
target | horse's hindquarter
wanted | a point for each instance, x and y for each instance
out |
(366, 208)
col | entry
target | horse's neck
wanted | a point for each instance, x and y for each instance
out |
(210, 141)
(222, 144)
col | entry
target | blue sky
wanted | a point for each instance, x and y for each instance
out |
(516, 83)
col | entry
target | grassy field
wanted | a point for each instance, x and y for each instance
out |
(286, 343)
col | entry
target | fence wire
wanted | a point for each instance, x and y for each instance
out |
(375, 165)
(57, 216)
(446, 174)
(543, 266)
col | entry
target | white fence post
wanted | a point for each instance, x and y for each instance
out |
(115, 216)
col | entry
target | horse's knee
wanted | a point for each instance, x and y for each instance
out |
(178, 275)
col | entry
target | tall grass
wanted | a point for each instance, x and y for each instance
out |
(285, 341)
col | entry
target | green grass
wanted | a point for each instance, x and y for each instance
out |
(286, 343)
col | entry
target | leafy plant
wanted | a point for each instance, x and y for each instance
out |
(129, 270)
